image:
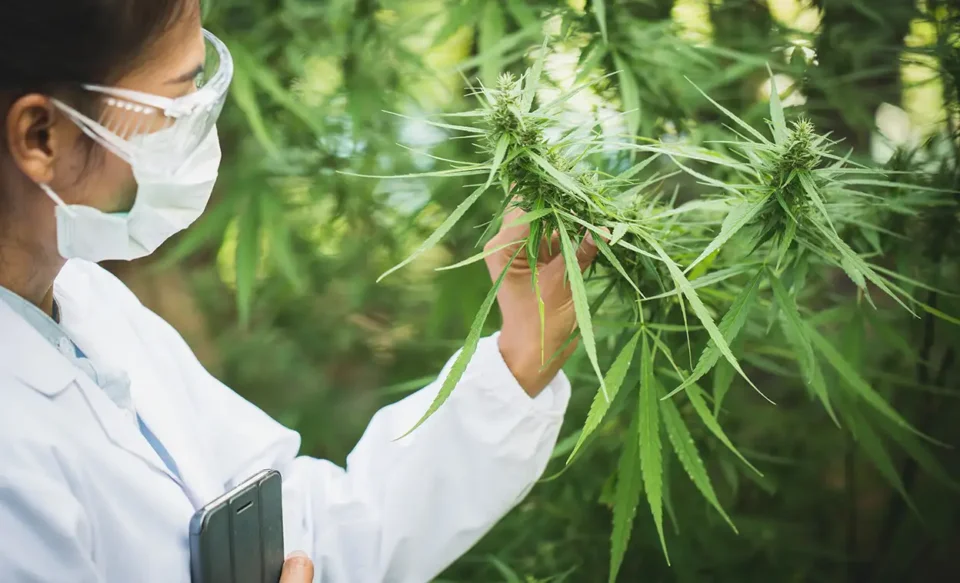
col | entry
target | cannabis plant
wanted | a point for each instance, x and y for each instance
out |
(785, 208)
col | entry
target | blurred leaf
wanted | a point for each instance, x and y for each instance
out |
(442, 230)
(246, 99)
(629, 94)
(600, 11)
(492, 29)
(247, 258)
(873, 446)
(855, 381)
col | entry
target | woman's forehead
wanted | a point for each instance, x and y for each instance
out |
(171, 62)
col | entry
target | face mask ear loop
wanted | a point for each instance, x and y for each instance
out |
(56, 199)
(89, 127)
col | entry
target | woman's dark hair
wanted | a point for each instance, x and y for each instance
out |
(51, 45)
(55, 46)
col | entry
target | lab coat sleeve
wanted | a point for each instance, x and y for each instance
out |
(403, 510)
(45, 532)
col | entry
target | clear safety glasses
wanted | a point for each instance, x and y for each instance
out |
(134, 125)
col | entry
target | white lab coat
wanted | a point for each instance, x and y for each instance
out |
(85, 499)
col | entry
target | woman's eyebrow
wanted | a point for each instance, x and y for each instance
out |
(189, 76)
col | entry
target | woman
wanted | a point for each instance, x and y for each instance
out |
(111, 432)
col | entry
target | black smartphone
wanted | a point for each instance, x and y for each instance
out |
(238, 538)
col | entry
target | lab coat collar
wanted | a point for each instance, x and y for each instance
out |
(36, 362)
(109, 338)
(30, 357)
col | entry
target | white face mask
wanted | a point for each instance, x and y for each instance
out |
(172, 146)
(166, 203)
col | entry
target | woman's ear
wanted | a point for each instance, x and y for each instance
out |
(33, 137)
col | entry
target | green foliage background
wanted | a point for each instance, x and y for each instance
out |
(277, 284)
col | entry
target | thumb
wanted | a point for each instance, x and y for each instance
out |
(298, 568)
(587, 251)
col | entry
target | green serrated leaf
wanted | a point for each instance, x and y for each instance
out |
(580, 303)
(613, 380)
(607, 252)
(794, 330)
(738, 217)
(651, 460)
(469, 348)
(688, 455)
(442, 230)
(700, 310)
(559, 178)
(786, 240)
(734, 118)
(619, 230)
(695, 394)
(626, 498)
(704, 178)
(730, 325)
(437, 124)
(480, 256)
(704, 267)
(533, 80)
(776, 112)
(502, 144)
(810, 187)
(723, 375)
(855, 262)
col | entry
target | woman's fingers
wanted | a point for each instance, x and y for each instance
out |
(298, 568)
(510, 231)
(587, 251)
(549, 250)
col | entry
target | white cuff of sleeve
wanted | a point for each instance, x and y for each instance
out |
(489, 373)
